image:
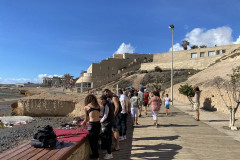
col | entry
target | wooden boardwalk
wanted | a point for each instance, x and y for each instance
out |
(179, 136)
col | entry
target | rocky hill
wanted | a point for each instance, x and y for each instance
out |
(210, 97)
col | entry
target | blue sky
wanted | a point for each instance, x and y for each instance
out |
(53, 37)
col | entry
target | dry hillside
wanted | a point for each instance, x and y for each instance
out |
(210, 98)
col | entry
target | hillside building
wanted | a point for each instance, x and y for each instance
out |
(111, 69)
(54, 81)
(199, 58)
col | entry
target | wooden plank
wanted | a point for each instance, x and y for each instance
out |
(39, 154)
(16, 152)
(53, 151)
(13, 150)
(63, 154)
(67, 146)
(23, 154)
(33, 153)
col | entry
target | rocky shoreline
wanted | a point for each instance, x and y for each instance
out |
(11, 137)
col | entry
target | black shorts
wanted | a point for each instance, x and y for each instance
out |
(145, 104)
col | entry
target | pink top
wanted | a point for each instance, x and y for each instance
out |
(156, 103)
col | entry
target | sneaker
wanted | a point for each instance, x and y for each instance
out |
(137, 124)
(140, 115)
(121, 138)
(108, 156)
(124, 137)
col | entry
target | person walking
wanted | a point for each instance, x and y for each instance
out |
(167, 104)
(116, 105)
(134, 108)
(145, 101)
(196, 102)
(92, 113)
(122, 118)
(107, 121)
(141, 97)
(155, 102)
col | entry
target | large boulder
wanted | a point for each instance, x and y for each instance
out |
(46, 104)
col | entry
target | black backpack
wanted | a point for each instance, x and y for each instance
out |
(44, 138)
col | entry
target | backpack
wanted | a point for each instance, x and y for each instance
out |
(44, 138)
(134, 102)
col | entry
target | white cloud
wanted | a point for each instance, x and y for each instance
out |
(125, 48)
(237, 41)
(176, 47)
(217, 36)
(25, 80)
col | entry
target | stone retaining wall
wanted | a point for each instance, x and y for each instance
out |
(50, 105)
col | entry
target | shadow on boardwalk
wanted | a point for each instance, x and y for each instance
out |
(158, 151)
(166, 125)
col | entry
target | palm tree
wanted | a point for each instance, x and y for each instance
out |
(67, 78)
(184, 44)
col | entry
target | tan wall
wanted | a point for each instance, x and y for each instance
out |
(108, 67)
(183, 60)
(137, 56)
(119, 56)
(98, 81)
(89, 69)
(82, 152)
(51, 105)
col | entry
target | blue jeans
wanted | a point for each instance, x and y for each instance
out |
(122, 124)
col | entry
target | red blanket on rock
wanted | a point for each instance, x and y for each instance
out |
(72, 135)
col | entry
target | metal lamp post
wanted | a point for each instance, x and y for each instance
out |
(82, 81)
(172, 27)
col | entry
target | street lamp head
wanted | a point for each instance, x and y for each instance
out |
(171, 26)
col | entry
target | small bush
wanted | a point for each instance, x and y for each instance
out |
(144, 71)
(186, 90)
(157, 69)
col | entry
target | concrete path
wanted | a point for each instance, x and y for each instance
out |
(179, 136)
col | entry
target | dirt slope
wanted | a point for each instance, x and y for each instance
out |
(210, 97)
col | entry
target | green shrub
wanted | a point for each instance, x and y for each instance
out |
(157, 69)
(186, 90)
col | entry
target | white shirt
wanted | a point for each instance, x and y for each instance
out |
(167, 99)
(121, 99)
(141, 96)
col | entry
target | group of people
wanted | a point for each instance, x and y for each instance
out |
(112, 117)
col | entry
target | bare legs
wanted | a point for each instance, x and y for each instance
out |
(167, 111)
(116, 136)
(135, 120)
(197, 115)
(140, 111)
